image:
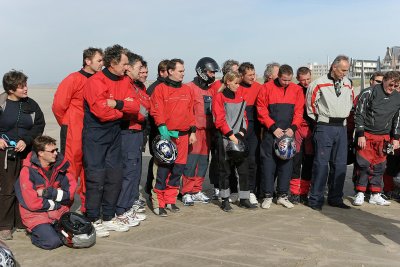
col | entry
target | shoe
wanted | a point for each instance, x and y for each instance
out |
(304, 199)
(233, 197)
(284, 201)
(137, 216)
(140, 202)
(115, 225)
(340, 205)
(317, 208)
(187, 200)
(156, 211)
(215, 195)
(358, 199)
(378, 200)
(99, 228)
(295, 199)
(138, 206)
(127, 220)
(173, 208)
(245, 203)
(6, 235)
(390, 195)
(226, 206)
(162, 212)
(200, 197)
(266, 204)
(253, 199)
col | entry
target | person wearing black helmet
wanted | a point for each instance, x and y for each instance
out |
(45, 190)
(197, 163)
(280, 106)
(229, 113)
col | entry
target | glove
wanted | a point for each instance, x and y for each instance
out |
(174, 134)
(164, 132)
(50, 193)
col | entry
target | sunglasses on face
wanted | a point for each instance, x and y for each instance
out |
(52, 151)
(378, 81)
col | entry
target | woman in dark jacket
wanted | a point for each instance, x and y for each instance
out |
(21, 120)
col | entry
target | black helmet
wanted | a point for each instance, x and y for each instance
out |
(165, 151)
(76, 230)
(206, 64)
(236, 152)
(6, 256)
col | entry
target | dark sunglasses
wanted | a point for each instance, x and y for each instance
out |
(378, 81)
(52, 151)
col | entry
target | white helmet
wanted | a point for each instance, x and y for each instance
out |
(285, 147)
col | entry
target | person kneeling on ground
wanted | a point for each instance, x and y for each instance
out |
(45, 190)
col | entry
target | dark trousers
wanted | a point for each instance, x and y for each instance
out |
(131, 150)
(330, 146)
(253, 144)
(45, 236)
(9, 210)
(225, 173)
(103, 171)
(272, 165)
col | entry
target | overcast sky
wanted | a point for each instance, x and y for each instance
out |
(45, 38)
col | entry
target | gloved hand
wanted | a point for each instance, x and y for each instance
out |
(174, 134)
(50, 193)
(164, 132)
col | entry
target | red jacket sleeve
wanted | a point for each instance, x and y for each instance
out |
(130, 107)
(157, 105)
(219, 114)
(298, 108)
(262, 107)
(62, 98)
(96, 94)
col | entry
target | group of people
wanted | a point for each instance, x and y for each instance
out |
(233, 126)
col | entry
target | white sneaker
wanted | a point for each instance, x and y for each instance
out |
(200, 197)
(359, 199)
(126, 219)
(215, 194)
(234, 197)
(115, 225)
(187, 200)
(284, 201)
(377, 199)
(253, 199)
(137, 216)
(266, 204)
(99, 228)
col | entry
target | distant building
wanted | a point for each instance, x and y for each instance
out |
(391, 61)
(357, 65)
(318, 70)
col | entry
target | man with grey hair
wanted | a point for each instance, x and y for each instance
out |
(329, 102)
(271, 71)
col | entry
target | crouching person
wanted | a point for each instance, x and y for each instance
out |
(45, 190)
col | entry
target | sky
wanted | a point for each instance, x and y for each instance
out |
(45, 38)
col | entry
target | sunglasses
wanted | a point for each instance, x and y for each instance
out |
(378, 81)
(52, 151)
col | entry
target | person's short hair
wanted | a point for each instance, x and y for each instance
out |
(89, 53)
(229, 77)
(113, 54)
(376, 74)
(244, 67)
(269, 68)
(162, 66)
(227, 66)
(171, 65)
(338, 59)
(285, 69)
(13, 79)
(133, 58)
(392, 75)
(144, 63)
(303, 71)
(40, 142)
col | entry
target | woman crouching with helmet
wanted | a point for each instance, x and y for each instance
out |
(231, 122)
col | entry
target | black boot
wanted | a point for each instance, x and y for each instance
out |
(295, 199)
(245, 203)
(162, 212)
(173, 208)
(226, 206)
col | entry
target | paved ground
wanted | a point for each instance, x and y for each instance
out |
(203, 235)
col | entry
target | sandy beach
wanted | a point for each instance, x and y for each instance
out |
(204, 235)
